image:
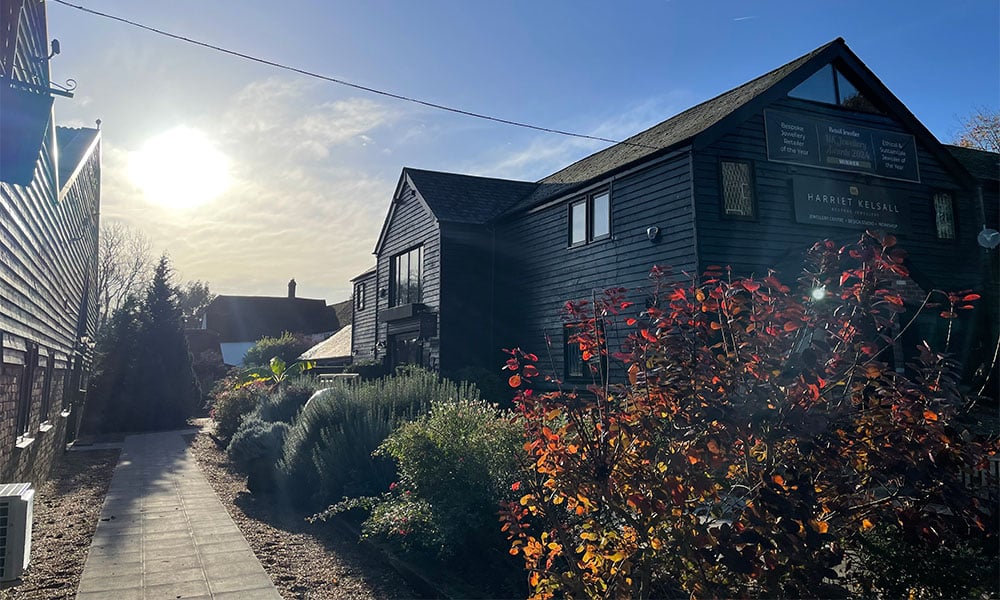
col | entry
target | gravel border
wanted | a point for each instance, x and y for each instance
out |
(65, 515)
(305, 561)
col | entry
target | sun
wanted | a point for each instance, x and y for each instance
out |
(180, 168)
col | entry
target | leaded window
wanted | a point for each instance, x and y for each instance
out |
(737, 189)
(944, 216)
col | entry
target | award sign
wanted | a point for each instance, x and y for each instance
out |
(803, 140)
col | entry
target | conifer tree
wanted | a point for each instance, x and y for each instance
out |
(163, 388)
(114, 361)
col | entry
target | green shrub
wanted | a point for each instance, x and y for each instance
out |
(255, 448)
(328, 452)
(256, 441)
(230, 405)
(462, 459)
(491, 386)
(286, 402)
(367, 369)
(455, 467)
(890, 566)
(288, 347)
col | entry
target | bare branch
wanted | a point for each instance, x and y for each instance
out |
(124, 265)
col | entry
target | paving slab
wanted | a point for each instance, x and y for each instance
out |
(164, 534)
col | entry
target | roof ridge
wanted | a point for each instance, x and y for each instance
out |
(732, 91)
(453, 174)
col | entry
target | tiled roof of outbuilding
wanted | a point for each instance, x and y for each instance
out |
(981, 164)
(337, 345)
(457, 198)
(249, 318)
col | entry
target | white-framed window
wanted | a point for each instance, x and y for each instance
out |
(590, 218)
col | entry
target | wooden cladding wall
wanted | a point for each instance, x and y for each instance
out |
(775, 240)
(467, 326)
(538, 273)
(412, 225)
(363, 338)
(48, 263)
(25, 39)
(48, 251)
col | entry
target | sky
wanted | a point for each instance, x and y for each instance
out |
(305, 169)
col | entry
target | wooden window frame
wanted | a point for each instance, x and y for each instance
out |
(46, 407)
(25, 389)
(751, 172)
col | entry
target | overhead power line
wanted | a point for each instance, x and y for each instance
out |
(349, 84)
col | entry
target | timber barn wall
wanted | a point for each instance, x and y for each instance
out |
(774, 238)
(412, 224)
(540, 272)
(48, 259)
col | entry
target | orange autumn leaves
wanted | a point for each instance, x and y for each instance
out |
(756, 430)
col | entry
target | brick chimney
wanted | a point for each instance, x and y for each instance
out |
(291, 288)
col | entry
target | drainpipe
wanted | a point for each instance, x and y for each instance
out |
(989, 319)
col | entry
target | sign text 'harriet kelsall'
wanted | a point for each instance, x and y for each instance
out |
(840, 204)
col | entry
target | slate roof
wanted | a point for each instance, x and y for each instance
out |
(469, 199)
(342, 312)
(249, 318)
(672, 132)
(980, 164)
(74, 147)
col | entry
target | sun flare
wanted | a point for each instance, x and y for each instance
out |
(180, 168)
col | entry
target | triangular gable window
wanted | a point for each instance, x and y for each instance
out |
(830, 86)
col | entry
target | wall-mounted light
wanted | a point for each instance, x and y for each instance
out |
(652, 233)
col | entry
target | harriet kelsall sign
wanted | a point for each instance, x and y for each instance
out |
(834, 203)
(804, 140)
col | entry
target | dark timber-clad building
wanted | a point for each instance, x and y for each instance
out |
(50, 185)
(818, 148)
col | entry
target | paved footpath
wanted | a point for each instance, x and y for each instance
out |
(164, 534)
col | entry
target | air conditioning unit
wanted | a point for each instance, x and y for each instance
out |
(16, 503)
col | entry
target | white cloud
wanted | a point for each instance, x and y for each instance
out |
(545, 154)
(300, 204)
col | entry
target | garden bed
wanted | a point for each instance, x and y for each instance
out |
(304, 561)
(66, 512)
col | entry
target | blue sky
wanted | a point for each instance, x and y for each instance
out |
(312, 165)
